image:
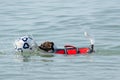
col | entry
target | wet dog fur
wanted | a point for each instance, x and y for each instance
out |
(47, 46)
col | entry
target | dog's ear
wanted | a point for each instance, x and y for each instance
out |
(52, 43)
(52, 46)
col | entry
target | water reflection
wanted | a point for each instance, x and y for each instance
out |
(27, 57)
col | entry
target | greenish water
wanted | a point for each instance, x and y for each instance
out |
(64, 22)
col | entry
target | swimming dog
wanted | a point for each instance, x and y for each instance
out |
(68, 49)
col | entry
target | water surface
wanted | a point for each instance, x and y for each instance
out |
(64, 22)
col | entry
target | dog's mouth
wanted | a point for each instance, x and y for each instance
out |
(45, 49)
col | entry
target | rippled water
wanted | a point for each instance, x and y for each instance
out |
(61, 21)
